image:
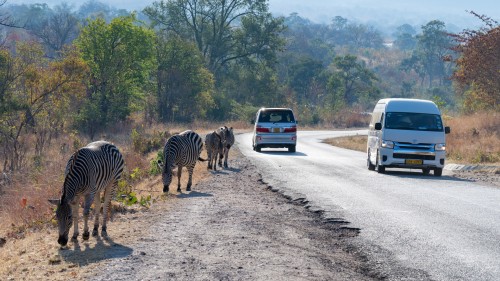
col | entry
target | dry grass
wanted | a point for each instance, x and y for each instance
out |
(353, 142)
(23, 202)
(474, 138)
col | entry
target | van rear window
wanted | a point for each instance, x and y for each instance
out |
(413, 121)
(276, 116)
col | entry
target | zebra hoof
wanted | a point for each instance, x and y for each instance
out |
(179, 189)
(74, 237)
(86, 235)
(95, 232)
(165, 188)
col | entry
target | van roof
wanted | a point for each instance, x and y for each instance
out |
(410, 105)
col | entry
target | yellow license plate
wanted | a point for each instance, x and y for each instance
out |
(414, 162)
(276, 130)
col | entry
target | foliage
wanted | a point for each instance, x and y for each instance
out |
(121, 58)
(185, 87)
(143, 143)
(223, 31)
(35, 99)
(154, 169)
(352, 82)
(478, 74)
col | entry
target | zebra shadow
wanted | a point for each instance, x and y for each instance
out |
(102, 249)
(193, 194)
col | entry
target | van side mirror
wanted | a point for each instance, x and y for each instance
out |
(447, 130)
(378, 126)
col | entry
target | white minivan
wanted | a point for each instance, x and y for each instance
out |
(406, 133)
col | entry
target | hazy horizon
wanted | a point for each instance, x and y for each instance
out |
(382, 13)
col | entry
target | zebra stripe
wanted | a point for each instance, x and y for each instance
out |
(182, 150)
(227, 142)
(213, 144)
(94, 168)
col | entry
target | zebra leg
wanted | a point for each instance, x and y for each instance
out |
(86, 211)
(221, 156)
(209, 160)
(106, 208)
(215, 160)
(226, 155)
(190, 171)
(74, 211)
(179, 174)
(97, 211)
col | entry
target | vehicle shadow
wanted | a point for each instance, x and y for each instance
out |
(103, 249)
(282, 153)
(193, 194)
(419, 175)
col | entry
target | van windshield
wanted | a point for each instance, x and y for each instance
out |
(413, 121)
(276, 116)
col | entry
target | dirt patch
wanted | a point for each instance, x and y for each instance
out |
(230, 227)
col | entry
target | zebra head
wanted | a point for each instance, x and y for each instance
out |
(166, 174)
(64, 219)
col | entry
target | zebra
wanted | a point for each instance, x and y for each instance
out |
(227, 142)
(91, 169)
(181, 150)
(213, 144)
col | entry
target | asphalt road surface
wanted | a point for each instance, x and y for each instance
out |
(437, 228)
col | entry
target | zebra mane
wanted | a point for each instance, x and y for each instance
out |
(71, 167)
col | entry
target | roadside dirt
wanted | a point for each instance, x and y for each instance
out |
(232, 226)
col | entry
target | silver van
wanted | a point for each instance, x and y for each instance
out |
(274, 128)
(406, 133)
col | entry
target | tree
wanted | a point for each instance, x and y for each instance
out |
(432, 46)
(184, 85)
(405, 39)
(478, 67)
(33, 99)
(121, 58)
(57, 29)
(223, 31)
(352, 82)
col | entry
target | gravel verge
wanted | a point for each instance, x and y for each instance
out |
(231, 227)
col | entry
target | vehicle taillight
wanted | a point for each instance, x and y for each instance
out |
(291, 130)
(259, 129)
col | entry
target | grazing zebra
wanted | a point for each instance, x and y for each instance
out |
(94, 168)
(227, 142)
(181, 150)
(213, 144)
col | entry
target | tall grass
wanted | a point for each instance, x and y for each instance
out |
(474, 138)
(23, 201)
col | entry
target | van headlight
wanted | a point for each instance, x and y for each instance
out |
(440, 147)
(387, 144)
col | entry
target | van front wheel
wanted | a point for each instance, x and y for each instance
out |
(438, 172)
(371, 167)
(380, 168)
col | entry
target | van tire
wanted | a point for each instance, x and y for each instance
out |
(371, 167)
(426, 171)
(380, 168)
(438, 172)
(257, 148)
(291, 148)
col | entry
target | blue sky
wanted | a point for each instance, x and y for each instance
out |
(388, 12)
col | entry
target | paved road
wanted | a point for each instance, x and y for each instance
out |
(421, 227)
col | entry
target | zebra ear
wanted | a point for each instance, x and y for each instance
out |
(55, 201)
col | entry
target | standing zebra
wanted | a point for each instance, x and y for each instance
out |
(227, 142)
(182, 150)
(91, 169)
(213, 144)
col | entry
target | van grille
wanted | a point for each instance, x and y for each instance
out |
(413, 156)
